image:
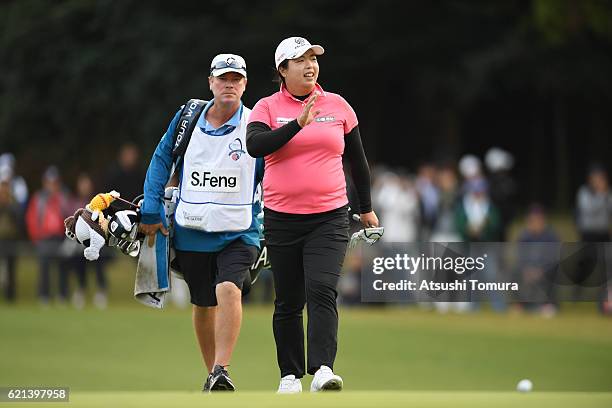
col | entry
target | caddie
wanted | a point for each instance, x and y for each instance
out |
(216, 231)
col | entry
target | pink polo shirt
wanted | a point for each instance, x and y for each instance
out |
(305, 176)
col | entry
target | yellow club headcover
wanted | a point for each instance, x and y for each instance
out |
(102, 201)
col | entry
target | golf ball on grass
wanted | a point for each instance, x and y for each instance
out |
(524, 385)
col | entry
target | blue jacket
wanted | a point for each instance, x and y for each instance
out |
(152, 208)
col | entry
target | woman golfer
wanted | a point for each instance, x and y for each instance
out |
(304, 132)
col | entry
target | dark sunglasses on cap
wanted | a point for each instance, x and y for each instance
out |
(229, 63)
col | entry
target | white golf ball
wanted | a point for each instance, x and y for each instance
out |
(524, 385)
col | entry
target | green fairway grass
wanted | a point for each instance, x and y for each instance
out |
(131, 355)
(413, 399)
(137, 348)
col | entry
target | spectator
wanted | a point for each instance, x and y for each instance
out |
(477, 220)
(537, 228)
(594, 207)
(10, 232)
(476, 217)
(470, 168)
(503, 188)
(537, 264)
(18, 185)
(399, 206)
(594, 219)
(45, 224)
(428, 198)
(444, 229)
(126, 176)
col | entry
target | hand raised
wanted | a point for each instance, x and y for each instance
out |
(308, 115)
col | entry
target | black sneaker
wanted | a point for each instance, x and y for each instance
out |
(220, 380)
(206, 387)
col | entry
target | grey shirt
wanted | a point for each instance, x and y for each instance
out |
(594, 210)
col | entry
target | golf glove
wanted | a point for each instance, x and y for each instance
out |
(368, 235)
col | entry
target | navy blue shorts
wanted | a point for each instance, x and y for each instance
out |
(202, 271)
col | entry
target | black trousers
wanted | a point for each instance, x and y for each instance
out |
(48, 251)
(306, 253)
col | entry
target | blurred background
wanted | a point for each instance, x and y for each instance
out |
(508, 103)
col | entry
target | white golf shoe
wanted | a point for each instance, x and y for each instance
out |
(325, 380)
(289, 385)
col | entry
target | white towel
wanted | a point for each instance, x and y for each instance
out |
(153, 272)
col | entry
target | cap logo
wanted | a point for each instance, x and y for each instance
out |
(230, 60)
(300, 41)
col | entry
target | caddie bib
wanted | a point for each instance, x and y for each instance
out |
(218, 182)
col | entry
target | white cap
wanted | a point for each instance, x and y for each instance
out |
(294, 47)
(469, 166)
(498, 159)
(223, 63)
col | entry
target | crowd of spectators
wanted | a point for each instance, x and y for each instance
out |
(469, 200)
(478, 201)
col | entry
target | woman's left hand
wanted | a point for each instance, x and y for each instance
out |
(308, 115)
(369, 219)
